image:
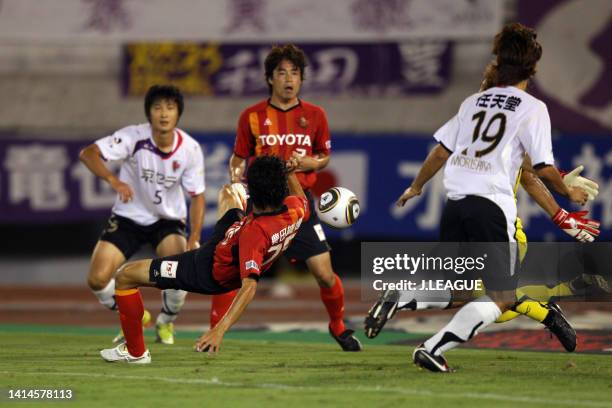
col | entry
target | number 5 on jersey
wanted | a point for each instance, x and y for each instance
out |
(158, 197)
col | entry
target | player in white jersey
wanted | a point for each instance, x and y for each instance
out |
(483, 148)
(160, 163)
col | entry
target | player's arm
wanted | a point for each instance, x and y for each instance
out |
(321, 147)
(196, 220)
(574, 224)
(551, 176)
(295, 188)
(91, 156)
(237, 165)
(211, 341)
(311, 163)
(433, 163)
(539, 192)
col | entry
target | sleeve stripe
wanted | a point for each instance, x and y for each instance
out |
(446, 148)
(541, 165)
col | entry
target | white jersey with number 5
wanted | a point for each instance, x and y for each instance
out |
(159, 180)
(488, 139)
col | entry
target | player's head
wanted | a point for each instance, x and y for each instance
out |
(267, 182)
(163, 106)
(517, 53)
(284, 68)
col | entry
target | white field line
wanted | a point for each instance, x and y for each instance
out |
(371, 389)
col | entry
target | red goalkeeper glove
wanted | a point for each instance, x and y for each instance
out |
(575, 225)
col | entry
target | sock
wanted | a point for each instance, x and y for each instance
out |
(543, 293)
(424, 299)
(106, 296)
(220, 305)
(333, 299)
(507, 316)
(464, 325)
(172, 302)
(131, 310)
(532, 309)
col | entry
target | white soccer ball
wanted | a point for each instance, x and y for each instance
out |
(338, 207)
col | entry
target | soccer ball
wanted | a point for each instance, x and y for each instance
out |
(338, 207)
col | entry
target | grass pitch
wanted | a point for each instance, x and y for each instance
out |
(262, 369)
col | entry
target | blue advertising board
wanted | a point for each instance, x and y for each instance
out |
(43, 182)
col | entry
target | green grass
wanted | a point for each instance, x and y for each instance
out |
(267, 372)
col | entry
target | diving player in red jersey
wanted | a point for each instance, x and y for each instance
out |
(240, 249)
(289, 127)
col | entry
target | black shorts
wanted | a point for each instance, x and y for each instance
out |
(310, 239)
(193, 270)
(128, 236)
(481, 227)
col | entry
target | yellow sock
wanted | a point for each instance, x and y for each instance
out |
(543, 293)
(532, 309)
(507, 316)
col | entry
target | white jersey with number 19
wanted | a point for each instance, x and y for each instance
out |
(158, 179)
(488, 139)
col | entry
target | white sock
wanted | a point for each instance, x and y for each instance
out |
(464, 325)
(172, 302)
(106, 296)
(424, 299)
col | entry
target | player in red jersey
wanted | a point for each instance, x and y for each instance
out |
(289, 127)
(238, 252)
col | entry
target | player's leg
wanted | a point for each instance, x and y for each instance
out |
(392, 301)
(533, 307)
(231, 196)
(481, 220)
(332, 296)
(172, 299)
(105, 261)
(131, 309)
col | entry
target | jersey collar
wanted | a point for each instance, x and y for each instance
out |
(277, 212)
(178, 141)
(297, 105)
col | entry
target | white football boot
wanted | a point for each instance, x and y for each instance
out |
(121, 353)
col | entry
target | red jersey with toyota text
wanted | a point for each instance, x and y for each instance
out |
(252, 244)
(264, 129)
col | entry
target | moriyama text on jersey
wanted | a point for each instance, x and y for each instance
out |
(488, 139)
(159, 180)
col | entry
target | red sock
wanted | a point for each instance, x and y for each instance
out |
(131, 310)
(220, 305)
(333, 298)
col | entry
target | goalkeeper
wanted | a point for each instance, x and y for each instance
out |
(574, 224)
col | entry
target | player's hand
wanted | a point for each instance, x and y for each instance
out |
(576, 225)
(210, 342)
(305, 163)
(124, 190)
(292, 164)
(574, 179)
(578, 195)
(409, 193)
(193, 243)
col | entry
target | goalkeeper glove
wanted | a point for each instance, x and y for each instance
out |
(574, 179)
(575, 225)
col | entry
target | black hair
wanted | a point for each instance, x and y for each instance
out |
(267, 181)
(159, 92)
(517, 53)
(289, 52)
